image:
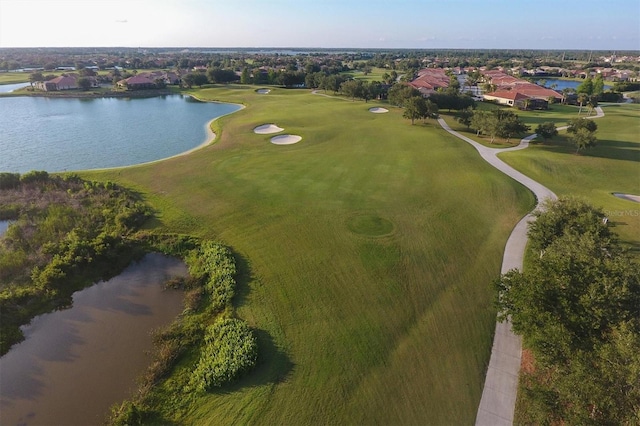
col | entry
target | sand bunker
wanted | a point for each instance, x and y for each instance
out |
(263, 91)
(378, 110)
(267, 129)
(286, 139)
(629, 197)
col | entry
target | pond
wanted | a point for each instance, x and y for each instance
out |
(74, 364)
(56, 134)
(566, 84)
(6, 88)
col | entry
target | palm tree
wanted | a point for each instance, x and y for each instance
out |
(582, 98)
(592, 103)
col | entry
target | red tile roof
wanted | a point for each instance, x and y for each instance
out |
(508, 94)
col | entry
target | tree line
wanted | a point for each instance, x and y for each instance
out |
(577, 307)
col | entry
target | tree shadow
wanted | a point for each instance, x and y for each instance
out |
(609, 149)
(244, 277)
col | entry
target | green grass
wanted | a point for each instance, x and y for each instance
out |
(558, 114)
(366, 255)
(14, 77)
(375, 74)
(612, 166)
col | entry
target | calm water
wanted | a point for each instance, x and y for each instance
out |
(567, 84)
(74, 364)
(77, 134)
(6, 88)
(4, 224)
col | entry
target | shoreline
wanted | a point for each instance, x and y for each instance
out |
(73, 94)
(210, 137)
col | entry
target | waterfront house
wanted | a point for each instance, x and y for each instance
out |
(64, 82)
(137, 82)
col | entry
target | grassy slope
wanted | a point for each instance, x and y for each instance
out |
(353, 329)
(612, 166)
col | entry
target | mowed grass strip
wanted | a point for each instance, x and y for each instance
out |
(389, 324)
(612, 166)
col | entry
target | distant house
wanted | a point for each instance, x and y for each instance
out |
(137, 82)
(513, 91)
(429, 80)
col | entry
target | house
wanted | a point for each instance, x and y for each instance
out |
(137, 82)
(64, 82)
(506, 97)
(429, 80)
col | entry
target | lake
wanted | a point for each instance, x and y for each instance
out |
(7, 88)
(74, 364)
(54, 134)
(566, 84)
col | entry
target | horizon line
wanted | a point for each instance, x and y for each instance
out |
(321, 48)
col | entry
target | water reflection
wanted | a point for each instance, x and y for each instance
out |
(74, 364)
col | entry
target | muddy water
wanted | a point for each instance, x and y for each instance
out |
(74, 364)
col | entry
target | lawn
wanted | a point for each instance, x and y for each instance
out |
(366, 253)
(14, 77)
(612, 166)
(558, 114)
(375, 74)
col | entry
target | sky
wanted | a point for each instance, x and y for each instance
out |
(419, 24)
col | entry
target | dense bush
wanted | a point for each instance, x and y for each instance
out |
(66, 233)
(214, 263)
(230, 350)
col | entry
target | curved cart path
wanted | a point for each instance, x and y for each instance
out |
(501, 382)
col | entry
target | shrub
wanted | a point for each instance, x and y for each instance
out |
(230, 350)
(35, 176)
(9, 180)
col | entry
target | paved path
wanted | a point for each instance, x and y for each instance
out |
(501, 383)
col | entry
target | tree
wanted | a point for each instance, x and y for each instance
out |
(84, 83)
(352, 89)
(500, 123)
(220, 75)
(464, 116)
(592, 103)
(598, 85)
(509, 124)
(34, 77)
(582, 133)
(583, 139)
(547, 130)
(400, 93)
(586, 87)
(415, 108)
(245, 77)
(432, 110)
(199, 79)
(577, 307)
(581, 123)
(582, 99)
(189, 80)
(484, 122)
